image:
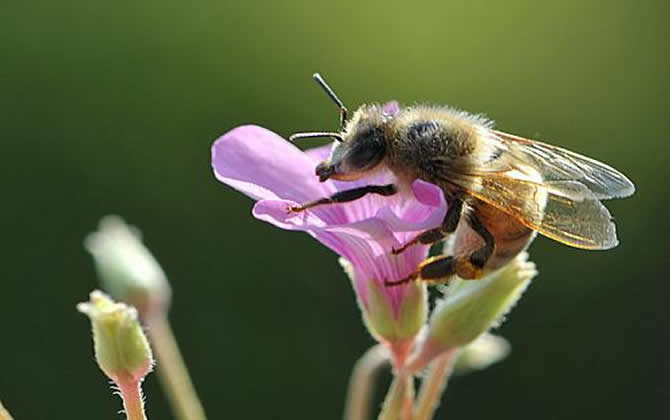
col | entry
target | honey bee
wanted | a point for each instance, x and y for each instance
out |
(500, 188)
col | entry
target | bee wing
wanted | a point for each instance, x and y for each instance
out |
(566, 211)
(551, 190)
(557, 164)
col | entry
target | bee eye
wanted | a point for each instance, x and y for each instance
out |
(368, 149)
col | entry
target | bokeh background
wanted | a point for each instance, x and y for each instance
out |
(111, 107)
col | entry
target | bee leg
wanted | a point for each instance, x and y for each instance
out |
(346, 196)
(432, 236)
(441, 268)
(479, 257)
(471, 265)
(428, 237)
(434, 270)
(438, 269)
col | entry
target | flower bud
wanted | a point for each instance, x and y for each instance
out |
(121, 348)
(126, 268)
(486, 350)
(390, 326)
(472, 307)
(396, 325)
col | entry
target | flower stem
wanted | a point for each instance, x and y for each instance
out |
(359, 394)
(4, 414)
(172, 371)
(434, 384)
(398, 402)
(133, 404)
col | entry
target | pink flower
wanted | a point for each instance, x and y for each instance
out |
(269, 169)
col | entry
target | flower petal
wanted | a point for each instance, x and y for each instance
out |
(364, 232)
(321, 153)
(427, 211)
(276, 213)
(368, 229)
(263, 165)
(427, 193)
(391, 107)
(366, 243)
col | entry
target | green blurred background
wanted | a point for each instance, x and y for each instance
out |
(111, 107)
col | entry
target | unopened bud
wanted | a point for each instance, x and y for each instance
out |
(472, 307)
(486, 350)
(121, 348)
(396, 326)
(126, 268)
(406, 322)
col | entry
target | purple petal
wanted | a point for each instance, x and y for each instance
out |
(276, 212)
(263, 165)
(391, 108)
(425, 210)
(321, 153)
(427, 193)
(367, 231)
(366, 244)
(266, 167)
(401, 216)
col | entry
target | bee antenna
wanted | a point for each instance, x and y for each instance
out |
(343, 109)
(317, 134)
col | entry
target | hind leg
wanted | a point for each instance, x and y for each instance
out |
(432, 236)
(470, 266)
(442, 268)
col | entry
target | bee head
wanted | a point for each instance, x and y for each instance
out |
(361, 144)
(361, 150)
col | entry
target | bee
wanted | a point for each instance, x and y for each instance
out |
(500, 188)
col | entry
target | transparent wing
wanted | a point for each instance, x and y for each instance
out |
(566, 211)
(557, 164)
(551, 190)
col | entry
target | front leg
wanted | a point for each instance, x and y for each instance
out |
(432, 236)
(346, 196)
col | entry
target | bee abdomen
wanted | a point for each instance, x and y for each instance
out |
(508, 248)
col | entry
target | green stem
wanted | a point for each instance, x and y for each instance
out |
(172, 371)
(133, 404)
(434, 384)
(4, 414)
(398, 402)
(359, 394)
